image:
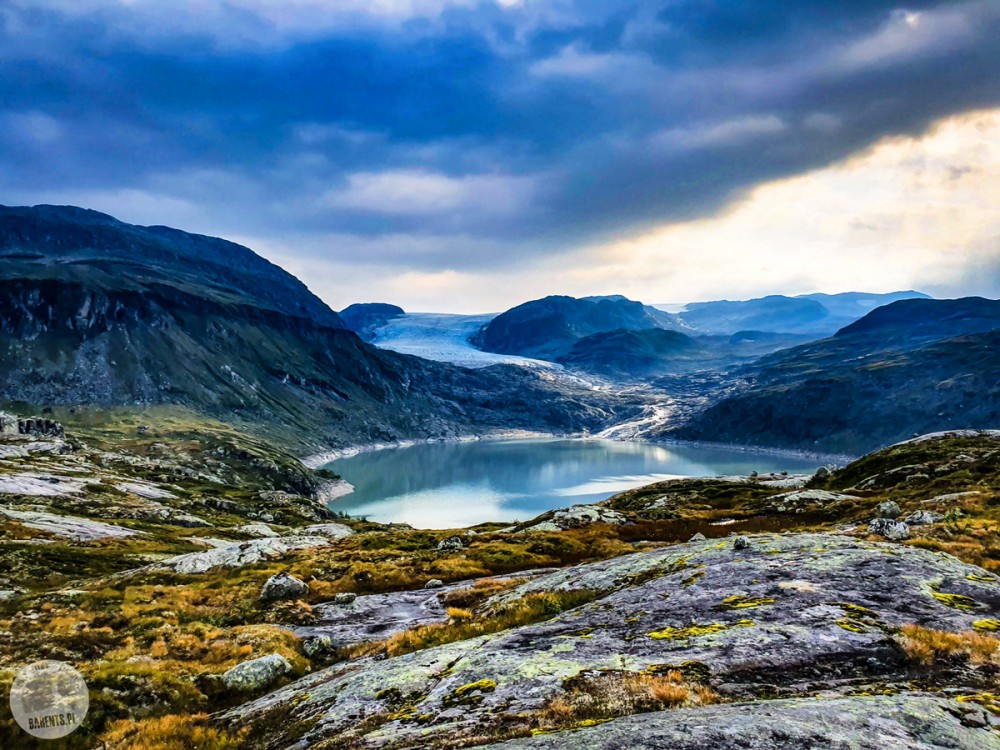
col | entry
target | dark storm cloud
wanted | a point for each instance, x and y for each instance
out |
(525, 129)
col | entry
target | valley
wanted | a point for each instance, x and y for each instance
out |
(578, 520)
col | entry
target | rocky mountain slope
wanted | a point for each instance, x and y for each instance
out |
(688, 613)
(623, 353)
(95, 312)
(913, 366)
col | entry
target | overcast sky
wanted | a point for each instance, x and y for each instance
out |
(467, 155)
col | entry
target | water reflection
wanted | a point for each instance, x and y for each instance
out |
(447, 485)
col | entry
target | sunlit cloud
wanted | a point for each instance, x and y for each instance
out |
(908, 213)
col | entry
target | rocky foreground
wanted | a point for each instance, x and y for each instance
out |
(197, 580)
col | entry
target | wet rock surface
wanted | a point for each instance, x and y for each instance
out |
(875, 723)
(790, 615)
(351, 619)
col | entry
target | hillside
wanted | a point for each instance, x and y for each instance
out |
(95, 312)
(548, 328)
(913, 366)
(196, 579)
(623, 353)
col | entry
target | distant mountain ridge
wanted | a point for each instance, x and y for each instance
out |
(914, 366)
(816, 314)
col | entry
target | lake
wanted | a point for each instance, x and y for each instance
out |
(451, 485)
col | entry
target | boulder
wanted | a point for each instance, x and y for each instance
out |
(282, 587)
(889, 528)
(451, 544)
(699, 537)
(923, 517)
(8, 424)
(888, 509)
(434, 583)
(318, 646)
(256, 674)
(345, 598)
(741, 543)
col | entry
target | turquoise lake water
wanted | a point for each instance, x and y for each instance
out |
(448, 485)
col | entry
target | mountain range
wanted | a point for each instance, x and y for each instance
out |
(810, 314)
(94, 311)
(913, 366)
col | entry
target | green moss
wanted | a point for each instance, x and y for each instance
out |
(738, 601)
(858, 619)
(989, 701)
(956, 601)
(986, 626)
(470, 694)
(852, 625)
(694, 631)
(981, 579)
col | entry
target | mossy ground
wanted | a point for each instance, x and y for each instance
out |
(152, 643)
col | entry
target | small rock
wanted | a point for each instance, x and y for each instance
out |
(451, 544)
(923, 517)
(699, 537)
(889, 528)
(253, 675)
(822, 472)
(283, 586)
(345, 598)
(318, 646)
(434, 583)
(888, 509)
(741, 542)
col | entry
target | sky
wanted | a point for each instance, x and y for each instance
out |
(468, 155)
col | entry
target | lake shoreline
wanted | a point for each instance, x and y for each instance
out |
(318, 460)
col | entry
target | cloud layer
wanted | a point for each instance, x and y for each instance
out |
(433, 139)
